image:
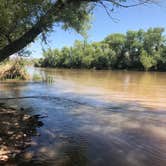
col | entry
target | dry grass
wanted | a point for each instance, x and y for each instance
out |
(13, 70)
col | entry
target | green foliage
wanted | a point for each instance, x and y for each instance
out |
(134, 50)
(17, 17)
(146, 60)
(21, 21)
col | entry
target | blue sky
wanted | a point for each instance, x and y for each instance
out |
(128, 19)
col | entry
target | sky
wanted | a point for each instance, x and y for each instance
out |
(140, 17)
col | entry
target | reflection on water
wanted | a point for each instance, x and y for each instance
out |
(94, 118)
(147, 88)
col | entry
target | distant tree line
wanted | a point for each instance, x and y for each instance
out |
(135, 50)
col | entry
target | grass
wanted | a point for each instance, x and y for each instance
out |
(13, 70)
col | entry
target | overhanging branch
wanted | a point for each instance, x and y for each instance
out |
(43, 23)
(31, 34)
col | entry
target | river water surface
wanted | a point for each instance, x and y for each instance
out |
(93, 118)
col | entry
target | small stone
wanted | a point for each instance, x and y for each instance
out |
(26, 117)
(4, 157)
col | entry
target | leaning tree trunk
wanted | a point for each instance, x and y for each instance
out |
(45, 21)
(31, 34)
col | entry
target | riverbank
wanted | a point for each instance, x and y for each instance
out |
(17, 127)
(94, 69)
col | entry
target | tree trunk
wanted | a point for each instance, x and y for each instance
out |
(31, 34)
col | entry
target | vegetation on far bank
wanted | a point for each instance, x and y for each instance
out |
(138, 50)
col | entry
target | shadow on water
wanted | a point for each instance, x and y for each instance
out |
(80, 131)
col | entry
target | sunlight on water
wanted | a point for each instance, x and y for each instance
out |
(142, 87)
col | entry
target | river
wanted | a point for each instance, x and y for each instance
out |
(93, 118)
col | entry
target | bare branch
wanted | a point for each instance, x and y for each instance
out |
(142, 2)
(108, 11)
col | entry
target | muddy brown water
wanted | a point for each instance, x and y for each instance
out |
(92, 118)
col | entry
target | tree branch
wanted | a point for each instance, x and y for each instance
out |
(31, 34)
(114, 2)
(44, 22)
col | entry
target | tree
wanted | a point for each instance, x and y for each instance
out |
(87, 59)
(154, 42)
(133, 46)
(133, 50)
(22, 21)
(147, 60)
(49, 58)
(116, 43)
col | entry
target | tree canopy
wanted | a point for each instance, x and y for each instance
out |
(140, 50)
(22, 21)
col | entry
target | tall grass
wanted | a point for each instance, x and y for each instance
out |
(13, 70)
